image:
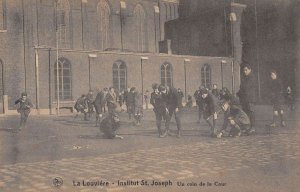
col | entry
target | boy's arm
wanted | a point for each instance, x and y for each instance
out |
(17, 101)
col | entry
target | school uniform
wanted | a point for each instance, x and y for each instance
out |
(24, 110)
(160, 109)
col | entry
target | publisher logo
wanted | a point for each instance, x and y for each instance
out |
(57, 182)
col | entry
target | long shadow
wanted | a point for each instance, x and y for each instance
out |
(7, 129)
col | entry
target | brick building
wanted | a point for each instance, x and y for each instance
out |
(263, 33)
(97, 43)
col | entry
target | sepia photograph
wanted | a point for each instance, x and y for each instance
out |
(149, 95)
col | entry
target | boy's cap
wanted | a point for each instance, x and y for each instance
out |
(24, 94)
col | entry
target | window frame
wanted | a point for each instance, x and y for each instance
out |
(62, 69)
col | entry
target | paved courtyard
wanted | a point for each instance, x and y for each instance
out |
(81, 160)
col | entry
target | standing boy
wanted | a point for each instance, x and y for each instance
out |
(247, 94)
(209, 110)
(277, 99)
(24, 109)
(159, 108)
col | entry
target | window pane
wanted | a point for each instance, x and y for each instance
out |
(65, 82)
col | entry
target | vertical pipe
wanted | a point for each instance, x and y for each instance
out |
(256, 47)
(121, 27)
(24, 47)
(155, 38)
(37, 80)
(49, 85)
(159, 27)
(89, 73)
(222, 74)
(57, 75)
(142, 80)
(184, 64)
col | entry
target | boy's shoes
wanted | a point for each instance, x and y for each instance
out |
(283, 124)
(178, 134)
(119, 137)
(219, 135)
(163, 135)
(272, 125)
(238, 134)
(251, 131)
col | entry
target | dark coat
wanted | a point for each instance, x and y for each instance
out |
(158, 102)
(111, 99)
(131, 98)
(215, 92)
(109, 125)
(237, 114)
(81, 104)
(100, 101)
(173, 99)
(198, 98)
(247, 92)
(24, 106)
(276, 92)
(208, 105)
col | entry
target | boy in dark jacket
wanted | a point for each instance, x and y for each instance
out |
(81, 106)
(109, 126)
(277, 99)
(247, 94)
(198, 98)
(209, 110)
(174, 106)
(24, 109)
(237, 118)
(159, 108)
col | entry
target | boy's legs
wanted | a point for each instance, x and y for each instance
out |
(235, 128)
(158, 117)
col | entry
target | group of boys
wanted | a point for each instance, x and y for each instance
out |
(166, 101)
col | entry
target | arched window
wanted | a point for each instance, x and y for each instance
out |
(140, 27)
(166, 76)
(103, 11)
(2, 14)
(206, 76)
(119, 75)
(63, 23)
(65, 79)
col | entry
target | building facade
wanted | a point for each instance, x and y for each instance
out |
(262, 33)
(62, 48)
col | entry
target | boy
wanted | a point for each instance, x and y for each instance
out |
(159, 108)
(81, 106)
(277, 100)
(237, 118)
(209, 110)
(109, 126)
(24, 109)
(138, 108)
(197, 96)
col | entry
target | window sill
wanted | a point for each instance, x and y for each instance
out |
(3, 31)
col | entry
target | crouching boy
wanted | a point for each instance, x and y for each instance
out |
(237, 118)
(109, 126)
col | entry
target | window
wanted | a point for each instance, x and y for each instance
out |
(65, 79)
(103, 24)
(119, 75)
(140, 25)
(63, 22)
(2, 14)
(206, 76)
(166, 72)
